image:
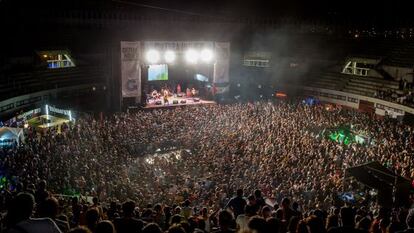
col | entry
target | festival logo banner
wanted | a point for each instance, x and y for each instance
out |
(131, 68)
(178, 46)
(222, 66)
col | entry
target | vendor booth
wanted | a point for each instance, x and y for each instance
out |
(11, 136)
(42, 118)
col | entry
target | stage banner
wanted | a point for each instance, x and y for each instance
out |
(29, 114)
(222, 66)
(131, 68)
(59, 111)
(178, 46)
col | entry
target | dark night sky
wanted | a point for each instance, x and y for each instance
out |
(355, 10)
(382, 11)
(380, 8)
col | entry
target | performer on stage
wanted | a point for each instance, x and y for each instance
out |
(188, 92)
(178, 88)
(154, 94)
(193, 92)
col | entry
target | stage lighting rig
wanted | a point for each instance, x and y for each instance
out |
(169, 56)
(152, 56)
(206, 55)
(191, 56)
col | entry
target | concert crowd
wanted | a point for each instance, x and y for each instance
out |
(254, 167)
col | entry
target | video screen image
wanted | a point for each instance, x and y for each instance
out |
(158, 72)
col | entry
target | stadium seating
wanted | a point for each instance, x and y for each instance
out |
(361, 85)
(401, 55)
(28, 82)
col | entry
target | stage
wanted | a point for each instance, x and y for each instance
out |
(188, 72)
(176, 102)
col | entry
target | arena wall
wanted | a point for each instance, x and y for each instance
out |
(381, 107)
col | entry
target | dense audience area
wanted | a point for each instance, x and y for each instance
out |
(240, 167)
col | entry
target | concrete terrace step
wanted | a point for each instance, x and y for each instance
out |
(386, 84)
(366, 86)
(325, 85)
(374, 79)
(358, 92)
(372, 84)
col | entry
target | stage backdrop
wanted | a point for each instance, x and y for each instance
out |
(131, 69)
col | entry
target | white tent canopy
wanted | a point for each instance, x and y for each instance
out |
(11, 134)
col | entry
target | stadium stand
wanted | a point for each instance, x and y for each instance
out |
(24, 83)
(389, 63)
(401, 54)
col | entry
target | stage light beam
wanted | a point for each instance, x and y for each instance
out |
(152, 56)
(191, 56)
(47, 111)
(169, 56)
(206, 55)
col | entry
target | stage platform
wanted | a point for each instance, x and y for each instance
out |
(189, 101)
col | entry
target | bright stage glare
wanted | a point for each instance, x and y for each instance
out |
(169, 56)
(206, 55)
(152, 56)
(191, 56)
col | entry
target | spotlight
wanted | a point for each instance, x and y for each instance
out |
(169, 56)
(206, 55)
(191, 56)
(153, 56)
